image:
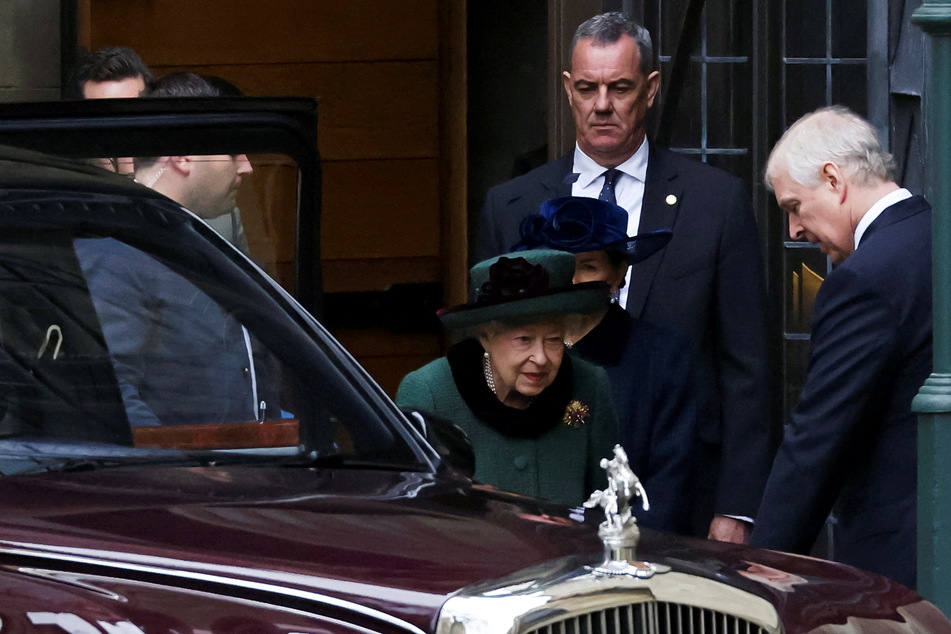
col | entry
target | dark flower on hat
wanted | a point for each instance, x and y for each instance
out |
(513, 278)
(574, 224)
(575, 414)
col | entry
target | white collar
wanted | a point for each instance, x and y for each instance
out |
(876, 210)
(588, 169)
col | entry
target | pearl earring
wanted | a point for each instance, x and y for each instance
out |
(487, 372)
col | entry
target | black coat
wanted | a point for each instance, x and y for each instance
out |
(651, 374)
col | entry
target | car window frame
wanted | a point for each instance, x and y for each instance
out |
(150, 227)
(196, 125)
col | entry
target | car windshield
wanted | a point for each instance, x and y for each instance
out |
(129, 332)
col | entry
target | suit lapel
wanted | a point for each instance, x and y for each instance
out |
(662, 195)
(560, 182)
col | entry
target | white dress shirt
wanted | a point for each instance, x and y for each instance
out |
(628, 190)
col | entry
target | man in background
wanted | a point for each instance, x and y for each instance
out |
(708, 284)
(851, 442)
(113, 71)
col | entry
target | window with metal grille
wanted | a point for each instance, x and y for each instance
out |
(823, 47)
(735, 74)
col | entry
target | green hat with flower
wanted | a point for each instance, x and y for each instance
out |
(524, 284)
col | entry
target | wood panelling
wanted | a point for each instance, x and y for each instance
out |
(283, 433)
(380, 209)
(390, 79)
(378, 110)
(454, 150)
(388, 371)
(177, 32)
(377, 274)
(376, 343)
(389, 358)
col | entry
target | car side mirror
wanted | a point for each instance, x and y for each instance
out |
(448, 439)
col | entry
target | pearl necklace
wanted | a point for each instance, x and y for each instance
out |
(487, 371)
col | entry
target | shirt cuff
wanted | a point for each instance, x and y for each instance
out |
(741, 518)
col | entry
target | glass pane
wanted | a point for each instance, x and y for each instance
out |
(805, 270)
(805, 90)
(179, 357)
(267, 209)
(737, 164)
(849, 87)
(107, 345)
(805, 28)
(56, 379)
(849, 28)
(686, 131)
(672, 14)
(730, 102)
(727, 29)
(796, 361)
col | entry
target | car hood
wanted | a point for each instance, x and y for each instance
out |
(397, 541)
(395, 544)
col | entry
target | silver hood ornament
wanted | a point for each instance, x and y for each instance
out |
(619, 531)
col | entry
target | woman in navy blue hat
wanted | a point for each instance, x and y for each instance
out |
(539, 421)
(650, 368)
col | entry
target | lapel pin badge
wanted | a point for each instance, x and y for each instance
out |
(671, 199)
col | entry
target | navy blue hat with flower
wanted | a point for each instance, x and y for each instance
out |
(534, 282)
(576, 224)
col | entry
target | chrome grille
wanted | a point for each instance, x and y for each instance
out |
(653, 617)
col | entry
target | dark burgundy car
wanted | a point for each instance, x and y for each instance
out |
(326, 509)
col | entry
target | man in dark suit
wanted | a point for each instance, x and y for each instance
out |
(851, 441)
(708, 285)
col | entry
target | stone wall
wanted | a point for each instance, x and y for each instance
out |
(29, 50)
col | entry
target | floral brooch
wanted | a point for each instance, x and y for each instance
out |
(575, 414)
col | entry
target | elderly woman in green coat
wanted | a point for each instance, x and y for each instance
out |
(539, 421)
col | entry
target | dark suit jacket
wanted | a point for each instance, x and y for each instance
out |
(178, 357)
(707, 285)
(651, 374)
(852, 437)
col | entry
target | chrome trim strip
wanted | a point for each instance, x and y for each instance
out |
(177, 568)
(82, 580)
(540, 601)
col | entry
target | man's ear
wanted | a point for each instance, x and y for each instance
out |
(830, 173)
(653, 87)
(832, 176)
(181, 164)
(566, 82)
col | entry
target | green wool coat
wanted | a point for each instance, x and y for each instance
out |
(562, 465)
